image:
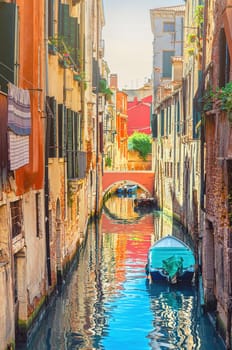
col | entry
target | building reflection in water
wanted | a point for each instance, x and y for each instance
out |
(106, 302)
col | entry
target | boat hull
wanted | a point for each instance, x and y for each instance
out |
(186, 277)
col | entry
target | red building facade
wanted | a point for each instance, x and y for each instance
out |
(139, 115)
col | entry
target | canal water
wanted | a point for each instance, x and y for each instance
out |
(107, 303)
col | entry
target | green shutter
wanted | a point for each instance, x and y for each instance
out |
(167, 65)
(62, 132)
(50, 18)
(178, 117)
(162, 123)
(52, 136)
(170, 120)
(166, 126)
(63, 21)
(69, 143)
(8, 44)
(154, 125)
(66, 24)
(75, 147)
(60, 20)
(73, 38)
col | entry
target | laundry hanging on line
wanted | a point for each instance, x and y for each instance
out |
(19, 110)
(19, 126)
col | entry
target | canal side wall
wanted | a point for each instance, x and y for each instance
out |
(193, 162)
(216, 241)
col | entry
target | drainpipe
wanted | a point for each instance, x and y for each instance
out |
(47, 135)
(97, 120)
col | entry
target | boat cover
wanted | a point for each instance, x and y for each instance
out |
(173, 265)
(157, 255)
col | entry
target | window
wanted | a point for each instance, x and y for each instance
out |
(224, 60)
(167, 64)
(169, 27)
(69, 30)
(50, 18)
(16, 217)
(52, 128)
(162, 123)
(166, 131)
(177, 109)
(9, 46)
(76, 160)
(38, 215)
(154, 125)
(62, 129)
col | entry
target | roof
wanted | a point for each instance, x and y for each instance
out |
(170, 8)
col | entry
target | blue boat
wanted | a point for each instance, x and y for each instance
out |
(127, 189)
(131, 188)
(120, 190)
(171, 260)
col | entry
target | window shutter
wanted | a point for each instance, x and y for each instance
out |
(74, 38)
(52, 141)
(62, 130)
(50, 18)
(78, 131)
(167, 65)
(69, 143)
(162, 123)
(66, 23)
(167, 114)
(75, 144)
(170, 120)
(101, 137)
(224, 60)
(8, 46)
(178, 117)
(154, 125)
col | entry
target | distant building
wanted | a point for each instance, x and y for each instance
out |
(167, 27)
(139, 109)
(139, 115)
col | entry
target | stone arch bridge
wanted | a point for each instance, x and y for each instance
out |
(144, 179)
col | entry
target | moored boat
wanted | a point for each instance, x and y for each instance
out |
(171, 260)
(131, 188)
(145, 202)
(126, 189)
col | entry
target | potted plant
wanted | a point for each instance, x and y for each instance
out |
(191, 51)
(225, 96)
(208, 99)
(192, 37)
(108, 162)
(199, 15)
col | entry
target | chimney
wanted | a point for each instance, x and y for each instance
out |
(113, 81)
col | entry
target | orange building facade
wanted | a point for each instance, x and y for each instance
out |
(121, 128)
(50, 153)
(22, 101)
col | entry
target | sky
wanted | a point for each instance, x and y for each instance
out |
(128, 39)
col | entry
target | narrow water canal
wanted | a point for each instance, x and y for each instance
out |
(107, 303)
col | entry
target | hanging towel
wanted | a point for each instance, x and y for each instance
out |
(18, 150)
(19, 111)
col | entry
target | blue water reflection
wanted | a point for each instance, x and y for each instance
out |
(107, 303)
